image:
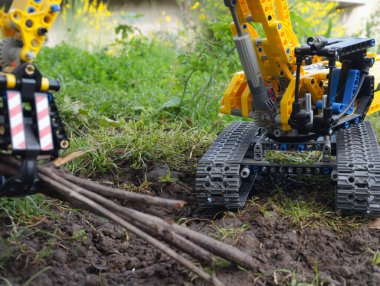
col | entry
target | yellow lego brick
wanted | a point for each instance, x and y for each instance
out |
(24, 5)
(242, 11)
(283, 11)
(286, 105)
(234, 90)
(375, 106)
(375, 70)
(246, 102)
(29, 21)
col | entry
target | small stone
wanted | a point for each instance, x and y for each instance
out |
(123, 247)
(75, 228)
(43, 280)
(133, 263)
(60, 256)
(375, 279)
(106, 244)
(92, 280)
(375, 224)
(292, 236)
(346, 271)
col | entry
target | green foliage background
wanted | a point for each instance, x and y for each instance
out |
(156, 80)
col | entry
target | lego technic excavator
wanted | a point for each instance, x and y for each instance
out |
(30, 125)
(302, 98)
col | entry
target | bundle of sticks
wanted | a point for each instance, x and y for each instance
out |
(178, 242)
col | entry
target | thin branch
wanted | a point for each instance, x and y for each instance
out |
(126, 195)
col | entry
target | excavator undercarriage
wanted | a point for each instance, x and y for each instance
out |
(227, 173)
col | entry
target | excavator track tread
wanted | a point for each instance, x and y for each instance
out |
(218, 183)
(358, 168)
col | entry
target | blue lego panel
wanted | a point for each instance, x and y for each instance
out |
(352, 85)
(334, 90)
(335, 83)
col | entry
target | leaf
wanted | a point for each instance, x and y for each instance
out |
(83, 111)
(107, 122)
(329, 29)
(139, 109)
(173, 103)
(303, 27)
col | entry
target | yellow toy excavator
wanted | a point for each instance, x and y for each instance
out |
(30, 125)
(302, 98)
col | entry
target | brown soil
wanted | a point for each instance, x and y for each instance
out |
(78, 248)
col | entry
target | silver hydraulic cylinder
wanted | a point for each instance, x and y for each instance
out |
(249, 61)
(308, 107)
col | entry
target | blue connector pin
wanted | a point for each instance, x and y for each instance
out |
(55, 8)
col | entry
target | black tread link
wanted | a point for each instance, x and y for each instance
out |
(358, 167)
(218, 182)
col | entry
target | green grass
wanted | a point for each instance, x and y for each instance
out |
(146, 79)
(112, 86)
(149, 103)
(22, 218)
(309, 213)
(224, 232)
(28, 210)
(138, 145)
(294, 157)
(303, 210)
(29, 281)
(79, 235)
(376, 258)
(291, 279)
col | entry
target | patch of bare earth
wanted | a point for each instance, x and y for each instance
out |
(78, 248)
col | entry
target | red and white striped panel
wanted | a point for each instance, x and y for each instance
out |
(16, 120)
(44, 122)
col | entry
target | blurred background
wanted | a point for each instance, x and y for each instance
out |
(328, 18)
(349, 17)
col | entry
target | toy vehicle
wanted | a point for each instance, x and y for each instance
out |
(30, 125)
(302, 98)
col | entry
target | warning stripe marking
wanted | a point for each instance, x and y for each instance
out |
(44, 122)
(16, 120)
